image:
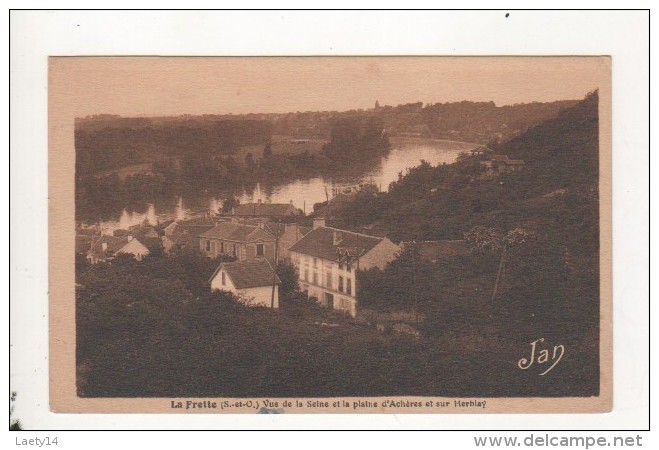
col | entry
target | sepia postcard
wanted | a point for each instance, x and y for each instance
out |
(397, 234)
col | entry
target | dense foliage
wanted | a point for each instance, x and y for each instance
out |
(355, 138)
(153, 329)
(533, 268)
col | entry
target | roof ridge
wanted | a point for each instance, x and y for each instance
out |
(235, 224)
(437, 240)
(354, 232)
(273, 269)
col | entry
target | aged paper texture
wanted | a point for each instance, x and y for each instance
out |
(330, 234)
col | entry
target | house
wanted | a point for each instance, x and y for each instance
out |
(184, 234)
(497, 164)
(288, 234)
(291, 234)
(84, 243)
(435, 251)
(194, 225)
(244, 242)
(105, 248)
(153, 244)
(271, 211)
(251, 280)
(328, 260)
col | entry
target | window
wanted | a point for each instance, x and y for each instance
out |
(259, 249)
(208, 245)
(234, 250)
(224, 281)
(328, 279)
(306, 274)
(348, 286)
(315, 278)
(349, 267)
(329, 300)
(340, 283)
(340, 266)
(315, 262)
(221, 247)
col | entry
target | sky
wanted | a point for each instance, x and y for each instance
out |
(161, 86)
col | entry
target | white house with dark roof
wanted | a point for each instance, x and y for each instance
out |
(328, 260)
(252, 281)
(244, 242)
(105, 248)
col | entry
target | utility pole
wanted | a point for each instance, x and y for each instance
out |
(328, 206)
(274, 275)
(499, 273)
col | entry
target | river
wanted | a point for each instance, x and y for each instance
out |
(405, 153)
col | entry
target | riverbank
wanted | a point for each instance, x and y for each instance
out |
(165, 200)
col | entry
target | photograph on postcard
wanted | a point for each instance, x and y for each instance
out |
(330, 234)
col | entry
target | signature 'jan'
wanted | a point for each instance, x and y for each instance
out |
(542, 357)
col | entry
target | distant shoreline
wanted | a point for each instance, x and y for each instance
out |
(417, 140)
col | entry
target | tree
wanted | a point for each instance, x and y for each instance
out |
(484, 239)
(288, 274)
(267, 150)
(229, 203)
(249, 160)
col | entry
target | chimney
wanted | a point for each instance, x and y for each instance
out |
(338, 237)
(104, 246)
(318, 222)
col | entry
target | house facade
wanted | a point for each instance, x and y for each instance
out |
(244, 242)
(251, 281)
(328, 260)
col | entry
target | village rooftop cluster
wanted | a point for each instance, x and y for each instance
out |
(259, 235)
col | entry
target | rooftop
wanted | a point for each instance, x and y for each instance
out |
(83, 243)
(197, 221)
(152, 243)
(321, 243)
(249, 274)
(504, 159)
(264, 209)
(236, 232)
(114, 244)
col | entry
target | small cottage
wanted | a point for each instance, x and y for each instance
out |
(106, 248)
(251, 281)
